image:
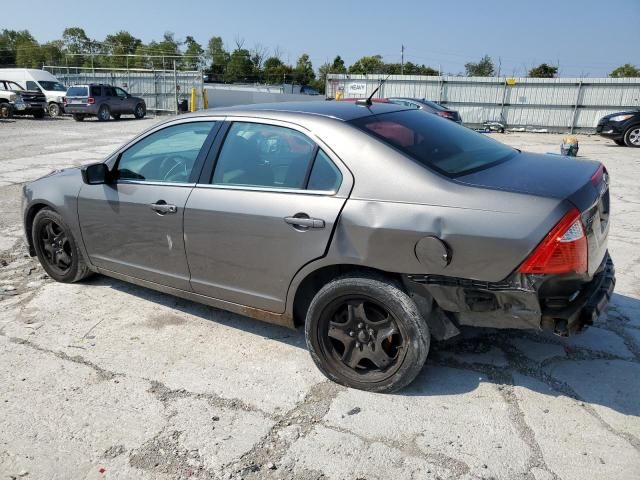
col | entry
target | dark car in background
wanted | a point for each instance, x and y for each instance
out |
(31, 102)
(102, 101)
(428, 106)
(622, 127)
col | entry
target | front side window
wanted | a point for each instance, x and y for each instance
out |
(121, 93)
(167, 155)
(434, 142)
(53, 86)
(260, 155)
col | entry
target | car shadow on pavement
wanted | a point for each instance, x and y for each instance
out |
(291, 337)
(600, 366)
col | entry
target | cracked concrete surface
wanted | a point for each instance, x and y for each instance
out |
(107, 380)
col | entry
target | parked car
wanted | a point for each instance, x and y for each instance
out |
(428, 106)
(622, 127)
(42, 81)
(102, 101)
(377, 226)
(25, 102)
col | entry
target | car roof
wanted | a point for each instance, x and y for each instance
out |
(339, 110)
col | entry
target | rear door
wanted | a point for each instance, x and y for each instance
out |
(112, 99)
(266, 208)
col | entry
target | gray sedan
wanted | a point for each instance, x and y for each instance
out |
(376, 226)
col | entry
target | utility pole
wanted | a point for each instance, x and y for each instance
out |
(402, 60)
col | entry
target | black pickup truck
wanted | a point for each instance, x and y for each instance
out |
(24, 102)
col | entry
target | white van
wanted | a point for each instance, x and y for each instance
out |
(33, 79)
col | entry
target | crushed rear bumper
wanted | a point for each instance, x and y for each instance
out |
(520, 302)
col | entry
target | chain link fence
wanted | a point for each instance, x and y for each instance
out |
(162, 90)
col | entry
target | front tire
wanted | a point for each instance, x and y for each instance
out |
(632, 136)
(6, 111)
(104, 113)
(365, 332)
(140, 111)
(54, 110)
(56, 248)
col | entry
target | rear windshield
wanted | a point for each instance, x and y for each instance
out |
(77, 92)
(436, 142)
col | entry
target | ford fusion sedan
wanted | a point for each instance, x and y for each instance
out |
(375, 226)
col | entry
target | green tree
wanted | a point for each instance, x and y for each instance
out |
(365, 65)
(9, 41)
(119, 45)
(484, 68)
(76, 43)
(275, 71)
(543, 71)
(338, 65)
(193, 53)
(218, 56)
(303, 73)
(626, 70)
(240, 67)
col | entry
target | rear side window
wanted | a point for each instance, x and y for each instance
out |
(260, 155)
(96, 91)
(436, 143)
(77, 92)
(109, 91)
(325, 175)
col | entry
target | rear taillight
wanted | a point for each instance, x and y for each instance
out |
(563, 250)
(597, 176)
(446, 114)
(91, 101)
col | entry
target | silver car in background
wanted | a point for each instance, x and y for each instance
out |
(377, 227)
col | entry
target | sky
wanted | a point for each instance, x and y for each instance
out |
(583, 37)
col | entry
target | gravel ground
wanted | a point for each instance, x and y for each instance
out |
(103, 379)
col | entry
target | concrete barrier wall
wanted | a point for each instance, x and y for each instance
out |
(224, 97)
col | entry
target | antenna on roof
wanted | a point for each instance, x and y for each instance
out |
(367, 101)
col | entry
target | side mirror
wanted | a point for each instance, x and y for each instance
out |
(96, 174)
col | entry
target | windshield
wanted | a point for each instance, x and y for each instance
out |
(435, 142)
(52, 86)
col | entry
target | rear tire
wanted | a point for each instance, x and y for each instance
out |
(78, 117)
(140, 111)
(116, 116)
(56, 248)
(365, 332)
(104, 113)
(632, 136)
(54, 110)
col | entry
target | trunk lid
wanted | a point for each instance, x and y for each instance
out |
(584, 183)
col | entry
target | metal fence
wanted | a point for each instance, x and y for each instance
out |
(554, 104)
(161, 90)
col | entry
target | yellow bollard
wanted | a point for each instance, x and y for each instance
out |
(205, 99)
(193, 99)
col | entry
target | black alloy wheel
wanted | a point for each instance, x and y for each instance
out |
(366, 332)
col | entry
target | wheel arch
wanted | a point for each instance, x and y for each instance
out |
(312, 281)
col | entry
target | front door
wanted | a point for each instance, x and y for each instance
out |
(268, 210)
(133, 225)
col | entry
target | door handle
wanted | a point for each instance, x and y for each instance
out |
(304, 222)
(162, 208)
